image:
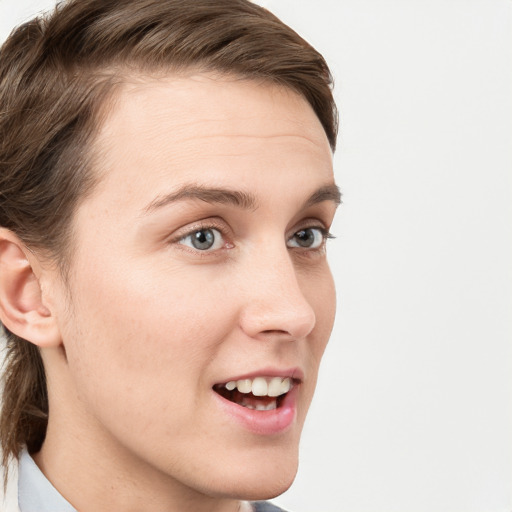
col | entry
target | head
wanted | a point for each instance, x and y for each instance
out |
(165, 193)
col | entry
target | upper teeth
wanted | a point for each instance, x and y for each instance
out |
(261, 386)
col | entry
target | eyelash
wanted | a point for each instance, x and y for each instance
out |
(218, 231)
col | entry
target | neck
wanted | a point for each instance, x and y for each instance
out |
(93, 471)
(107, 482)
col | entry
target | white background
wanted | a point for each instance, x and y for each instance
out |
(413, 411)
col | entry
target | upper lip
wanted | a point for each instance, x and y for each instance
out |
(294, 373)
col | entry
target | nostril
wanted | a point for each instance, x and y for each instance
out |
(275, 335)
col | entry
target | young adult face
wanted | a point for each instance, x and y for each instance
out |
(199, 261)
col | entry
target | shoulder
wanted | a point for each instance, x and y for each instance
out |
(265, 506)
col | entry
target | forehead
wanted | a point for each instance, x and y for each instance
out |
(171, 130)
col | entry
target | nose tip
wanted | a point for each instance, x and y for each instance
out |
(260, 321)
(285, 314)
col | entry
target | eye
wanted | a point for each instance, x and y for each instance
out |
(203, 239)
(309, 238)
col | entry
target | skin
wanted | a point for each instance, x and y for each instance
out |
(147, 323)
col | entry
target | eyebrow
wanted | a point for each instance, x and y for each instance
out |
(238, 198)
(326, 193)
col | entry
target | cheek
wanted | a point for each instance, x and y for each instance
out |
(144, 331)
(321, 294)
(318, 288)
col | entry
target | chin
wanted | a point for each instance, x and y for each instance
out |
(268, 490)
(258, 481)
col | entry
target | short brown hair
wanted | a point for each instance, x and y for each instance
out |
(56, 72)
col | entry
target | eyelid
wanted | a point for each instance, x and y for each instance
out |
(207, 223)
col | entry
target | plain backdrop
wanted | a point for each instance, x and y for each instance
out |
(413, 411)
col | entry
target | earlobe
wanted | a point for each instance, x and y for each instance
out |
(22, 309)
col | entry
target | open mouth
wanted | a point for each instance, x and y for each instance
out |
(260, 393)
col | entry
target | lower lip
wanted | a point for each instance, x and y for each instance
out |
(276, 421)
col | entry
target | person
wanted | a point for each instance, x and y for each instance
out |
(166, 193)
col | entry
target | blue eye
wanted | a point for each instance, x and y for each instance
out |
(203, 239)
(309, 238)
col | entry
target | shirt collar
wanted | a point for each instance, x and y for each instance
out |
(35, 492)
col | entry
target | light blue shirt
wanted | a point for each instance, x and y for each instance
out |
(35, 492)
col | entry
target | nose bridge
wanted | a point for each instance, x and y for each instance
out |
(275, 302)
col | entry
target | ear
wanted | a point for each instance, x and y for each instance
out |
(22, 309)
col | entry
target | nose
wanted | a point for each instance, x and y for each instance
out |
(274, 304)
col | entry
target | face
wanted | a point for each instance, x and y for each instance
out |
(202, 300)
